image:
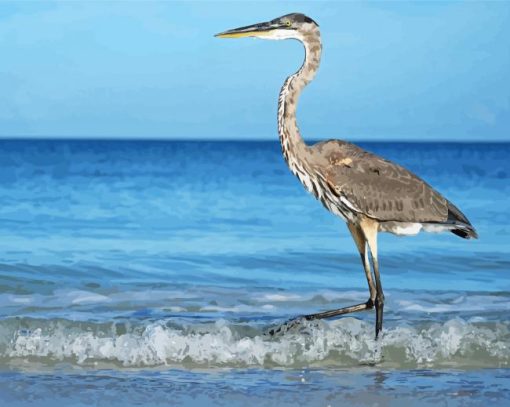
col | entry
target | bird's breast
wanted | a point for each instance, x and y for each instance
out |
(305, 177)
(315, 185)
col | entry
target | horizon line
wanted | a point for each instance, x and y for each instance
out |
(242, 140)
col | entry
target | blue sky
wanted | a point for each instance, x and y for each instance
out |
(143, 69)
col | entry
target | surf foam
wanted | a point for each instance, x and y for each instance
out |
(345, 342)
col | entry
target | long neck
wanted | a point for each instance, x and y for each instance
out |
(293, 147)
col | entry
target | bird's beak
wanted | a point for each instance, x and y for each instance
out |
(255, 30)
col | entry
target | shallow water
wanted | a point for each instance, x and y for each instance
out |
(154, 269)
(332, 387)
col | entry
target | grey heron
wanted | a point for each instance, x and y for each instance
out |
(370, 193)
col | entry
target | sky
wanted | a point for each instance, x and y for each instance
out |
(409, 71)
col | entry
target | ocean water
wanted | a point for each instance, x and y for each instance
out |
(149, 273)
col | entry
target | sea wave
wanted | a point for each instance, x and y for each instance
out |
(342, 343)
(193, 298)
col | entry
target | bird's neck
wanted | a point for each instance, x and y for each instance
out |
(293, 146)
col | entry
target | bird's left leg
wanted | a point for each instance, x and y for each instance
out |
(361, 244)
(370, 228)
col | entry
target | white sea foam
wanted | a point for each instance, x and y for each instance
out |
(345, 342)
(465, 303)
(280, 297)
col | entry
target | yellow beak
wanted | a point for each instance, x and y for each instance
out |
(242, 34)
(255, 30)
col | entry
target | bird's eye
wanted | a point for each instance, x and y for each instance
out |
(288, 23)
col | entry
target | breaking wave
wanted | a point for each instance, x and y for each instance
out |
(341, 343)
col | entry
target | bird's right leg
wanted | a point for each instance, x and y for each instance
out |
(321, 315)
(361, 244)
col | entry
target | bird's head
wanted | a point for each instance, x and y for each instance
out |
(294, 25)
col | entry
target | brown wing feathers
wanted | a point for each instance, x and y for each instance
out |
(384, 190)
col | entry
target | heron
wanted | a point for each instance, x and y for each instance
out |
(370, 193)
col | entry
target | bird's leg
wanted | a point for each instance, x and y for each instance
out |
(341, 311)
(379, 299)
(321, 315)
(361, 244)
(370, 228)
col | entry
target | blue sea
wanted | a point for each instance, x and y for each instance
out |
(148, 273)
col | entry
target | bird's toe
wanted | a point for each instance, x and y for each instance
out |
(290, 325)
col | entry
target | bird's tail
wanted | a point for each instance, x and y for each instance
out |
(460, 224)
(467, 232)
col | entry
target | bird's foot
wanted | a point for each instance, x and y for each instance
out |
(290, 325)
(285, 327)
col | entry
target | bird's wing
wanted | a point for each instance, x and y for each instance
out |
(377, 187)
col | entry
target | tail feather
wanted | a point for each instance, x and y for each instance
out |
(462, 226)
(465, 233)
